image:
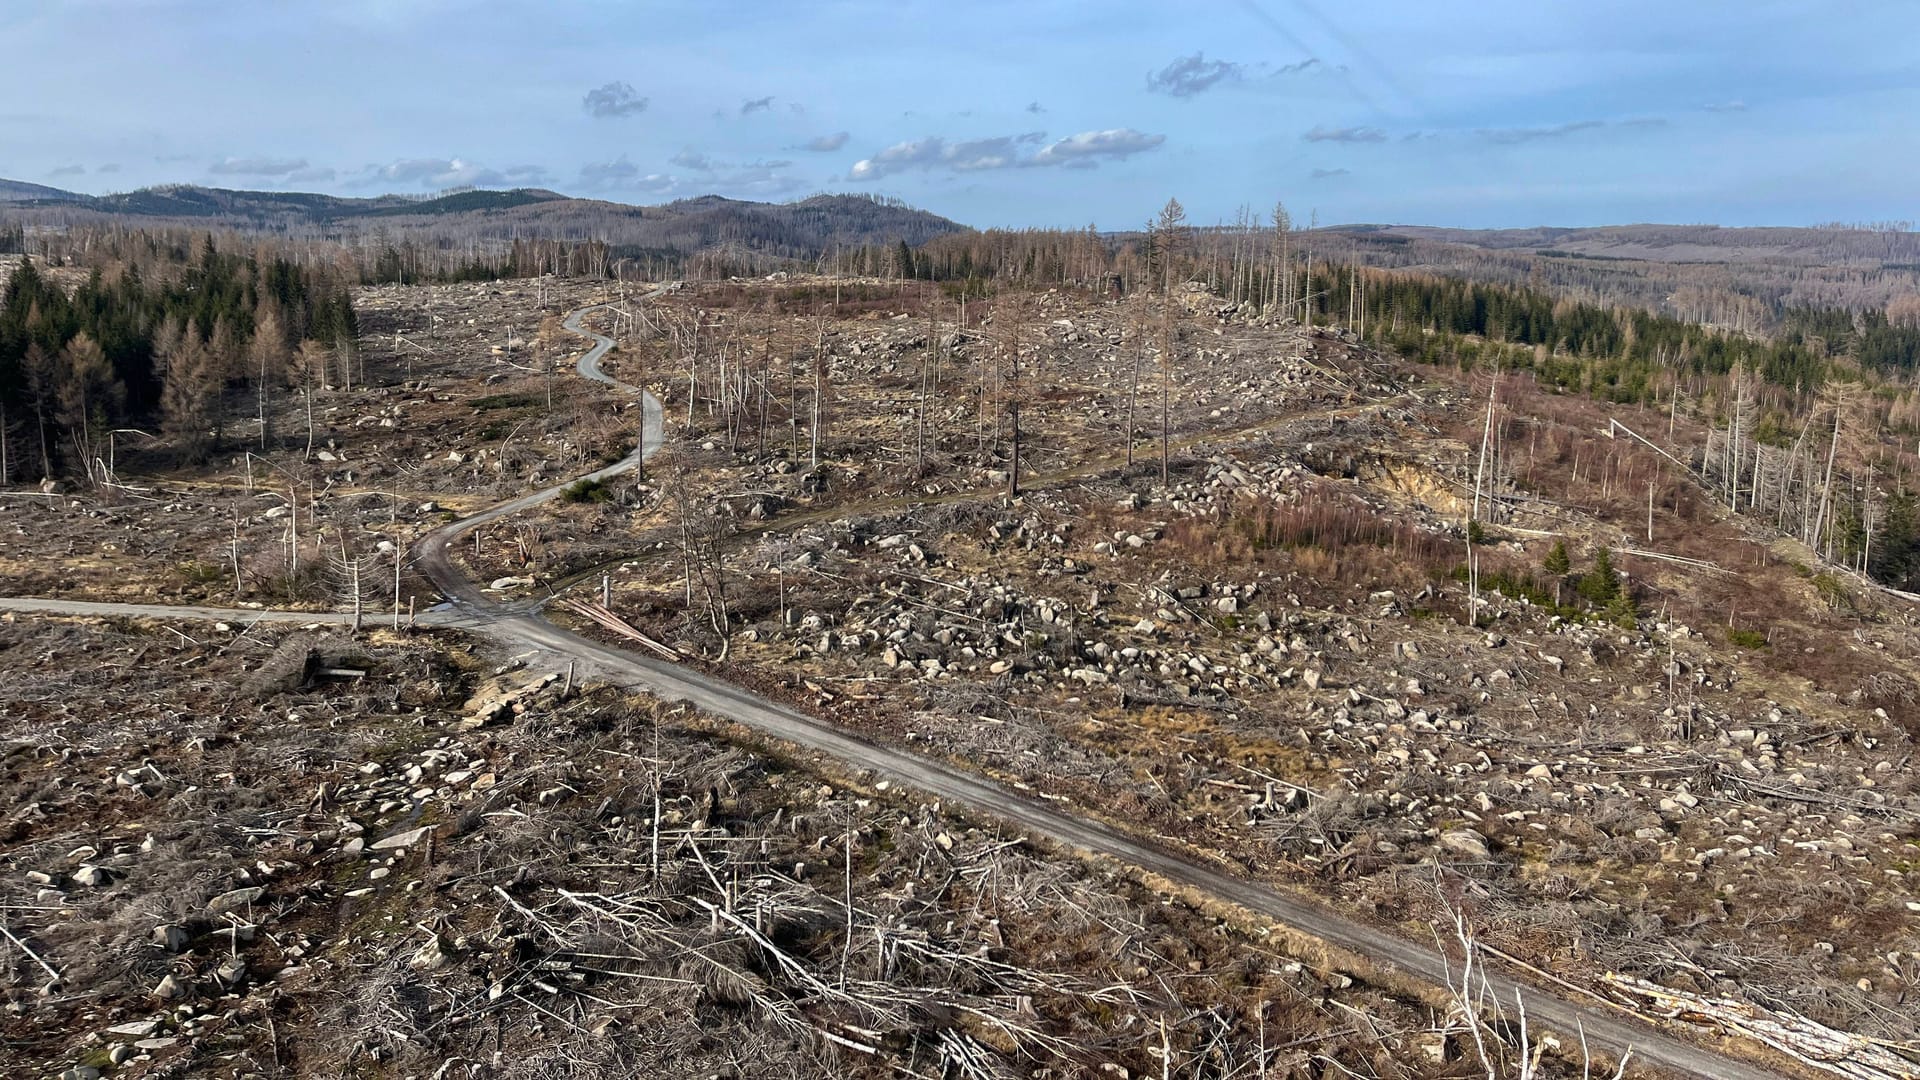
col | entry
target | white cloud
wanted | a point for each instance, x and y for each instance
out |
(825, 144)
(254, 166)
(436, 173)
(1345, 135)
(1190, 75)
(612, 100)
(1004, 152)
(1513, 136)
(757, 179)
(1089, 147)
(607, 174)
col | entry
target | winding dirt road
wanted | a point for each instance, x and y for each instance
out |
(1548, 1008)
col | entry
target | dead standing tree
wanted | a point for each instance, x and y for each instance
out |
(1014, 318)
(354, 578)
(703, 536)
(310, 368)
(821, 364)
(1172, 229)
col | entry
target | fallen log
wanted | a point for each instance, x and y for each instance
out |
(1841, 1053)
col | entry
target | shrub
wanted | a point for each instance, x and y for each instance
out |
(199, 572)
(1747, 639)
(587, 490)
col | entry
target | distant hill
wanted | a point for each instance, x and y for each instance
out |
(1773, 245)
(14, 191)
(1736, 277)
(285, 209)
(797, 230)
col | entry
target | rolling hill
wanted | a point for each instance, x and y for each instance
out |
(16, 191)
(796, 230)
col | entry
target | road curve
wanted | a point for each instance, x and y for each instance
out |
(431, 551)
(1605, 1029)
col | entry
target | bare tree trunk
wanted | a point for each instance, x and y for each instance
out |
(1166, 392)
(1013, 468)
(293, 533)
(262, 395)
(1133, 389)
(1826, 486)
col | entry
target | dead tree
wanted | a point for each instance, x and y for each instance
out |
(352, 577)
(1172, 228)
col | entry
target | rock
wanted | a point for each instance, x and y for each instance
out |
(234, 899)
(1311, 678)
(1466, 843)
(511, 583)
(138, 1029)
(403, 839)
(170, 989)
(93, 876)
(81, 1072)
(171, 937)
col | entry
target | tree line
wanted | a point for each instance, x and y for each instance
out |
(193, 344)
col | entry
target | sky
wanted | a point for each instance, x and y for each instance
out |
(1501, 113)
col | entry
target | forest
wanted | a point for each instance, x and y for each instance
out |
(176, 338)
(466, 235)
(196, 334)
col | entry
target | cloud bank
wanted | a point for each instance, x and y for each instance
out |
(1084, 150)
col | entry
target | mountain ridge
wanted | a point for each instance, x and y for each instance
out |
(740, 235)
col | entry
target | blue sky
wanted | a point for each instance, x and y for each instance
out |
(1037, 112)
